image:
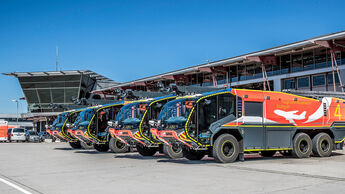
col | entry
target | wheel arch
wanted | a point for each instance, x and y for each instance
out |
(232, 131)
(313, 132)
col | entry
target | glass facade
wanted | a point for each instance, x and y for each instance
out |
(303, 60)
(319, 82)
(43, 91)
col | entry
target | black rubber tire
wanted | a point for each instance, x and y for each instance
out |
(191, 154)
(146, 151)
(86, 146)
(101, 147)
(268, 153)
(173, 152)
(223, 144)
(322, 145)
(75, 145)
(302, 146)
(117, 147)
(286, 152)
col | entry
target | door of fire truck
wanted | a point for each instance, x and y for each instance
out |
(252, 127)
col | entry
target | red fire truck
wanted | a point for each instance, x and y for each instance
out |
(227, 123)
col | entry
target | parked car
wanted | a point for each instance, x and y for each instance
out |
(16, 134)
(43, 135)
(32, 136)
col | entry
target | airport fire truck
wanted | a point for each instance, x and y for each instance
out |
(132, 127)
(227, 123)
(92, 127)
(60, 126)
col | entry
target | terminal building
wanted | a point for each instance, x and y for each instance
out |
(303, 65)
(48, 93)
(316, 64)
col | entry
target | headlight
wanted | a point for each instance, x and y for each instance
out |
(111, 123)
(46, 126)
(68, 125)
(152, 123)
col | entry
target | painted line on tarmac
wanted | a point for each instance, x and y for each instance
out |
(15, 186)
(5, 179)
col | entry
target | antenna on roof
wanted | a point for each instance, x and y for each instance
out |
(57, 56)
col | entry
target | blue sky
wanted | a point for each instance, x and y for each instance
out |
(126, 40)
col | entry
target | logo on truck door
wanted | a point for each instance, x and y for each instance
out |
(291, 116)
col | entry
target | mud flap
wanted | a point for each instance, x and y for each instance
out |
(241, 154)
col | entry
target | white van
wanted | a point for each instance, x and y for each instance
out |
(16, 134)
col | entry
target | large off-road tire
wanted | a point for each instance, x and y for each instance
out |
(191, 154)
(173, 152)
(268, 153)
(117, 146)
(322, 145)
(226, 148)
(86, 146)
(75, 145)
(302, 146)
(101, 147)
(146, 151)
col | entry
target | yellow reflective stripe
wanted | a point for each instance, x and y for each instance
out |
(62, 128)
(270, 149)
(339, 141)
(193, 111)
(143, 118)
(88, 127)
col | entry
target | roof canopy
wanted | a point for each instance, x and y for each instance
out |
(92, 74)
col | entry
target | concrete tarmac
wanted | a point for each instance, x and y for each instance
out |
(56, 168)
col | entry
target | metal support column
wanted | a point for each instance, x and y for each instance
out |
(335, 65)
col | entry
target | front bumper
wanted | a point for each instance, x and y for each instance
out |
(170, 137)
(127, 136)
(81, 135)
(58, 135)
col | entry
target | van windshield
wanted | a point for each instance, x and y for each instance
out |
(18, 130)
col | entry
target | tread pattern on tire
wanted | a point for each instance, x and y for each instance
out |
(218, 147)
(116, 149)
(317, 151)
(171, 153)
(296, 141)
(86, 146)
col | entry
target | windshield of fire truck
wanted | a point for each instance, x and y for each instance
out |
(60, 119)
(132, 113)
(85, 115)
(176, 111)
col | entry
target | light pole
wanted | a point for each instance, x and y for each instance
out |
(16, 101)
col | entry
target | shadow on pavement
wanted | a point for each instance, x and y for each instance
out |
(64, 149)
(140, 157)
(91, 152)
(205, 160)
